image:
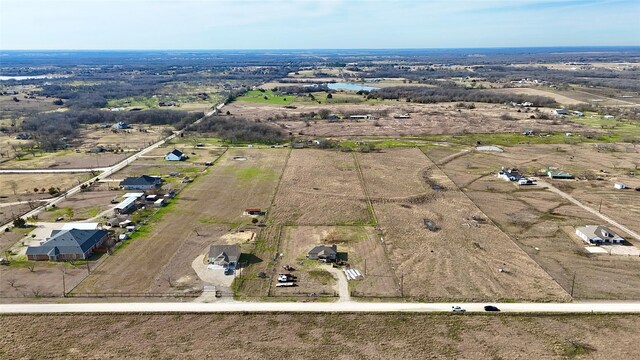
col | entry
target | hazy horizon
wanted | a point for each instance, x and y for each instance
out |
(316, 24)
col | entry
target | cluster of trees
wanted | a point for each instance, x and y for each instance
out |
(52, 130)
(239, 130)
(428, 95)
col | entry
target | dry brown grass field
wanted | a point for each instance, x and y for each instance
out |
(126, 139)
(543, 223)
(292, 336)
(44, 280)
(26, 183)
(320, 188)
(458, 261)
(426, 119)
(65, 159)
(219, 196)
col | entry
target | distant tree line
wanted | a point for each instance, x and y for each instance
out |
(238, 130)
(429, 95)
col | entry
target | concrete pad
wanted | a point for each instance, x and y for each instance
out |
(596, 250)
(211, 276)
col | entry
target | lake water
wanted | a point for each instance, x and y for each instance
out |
(350, 87)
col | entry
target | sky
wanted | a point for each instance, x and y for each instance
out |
(315, 24)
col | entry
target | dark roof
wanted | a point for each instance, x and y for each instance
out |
(74, 241)
(327, 250)
(176, 152)
(230, 253)
(140, 181)
(604, 233)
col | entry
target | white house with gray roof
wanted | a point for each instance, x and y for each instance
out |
(598, 234)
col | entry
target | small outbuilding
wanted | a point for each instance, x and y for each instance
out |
(619, 186)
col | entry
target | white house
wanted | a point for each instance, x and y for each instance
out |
(175, 155)
(619, 186)
(597, 234)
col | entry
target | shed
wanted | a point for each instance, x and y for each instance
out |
(619, 186)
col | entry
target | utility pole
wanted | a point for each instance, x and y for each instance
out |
(64, 287)
(573, 283)
(402, 284)
(365, 266)
(600, 207)
(88, 269)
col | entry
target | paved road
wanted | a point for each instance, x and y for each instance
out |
(589, 209)
(106, 171)
(50, 171)
(351, 307)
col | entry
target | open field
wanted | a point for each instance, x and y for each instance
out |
(559, 98)
(26, 183)
(84, 205)
(278, 336)
(455, 261)
(139, 137)
(44, 280)
(219, 196)
(426, 119)
(64, 159)
(8, 106)
(320, 188)
(543, 223)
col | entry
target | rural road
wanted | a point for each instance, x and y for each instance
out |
(51, 171)
(320, 307)
(589, 209)
(108, 171)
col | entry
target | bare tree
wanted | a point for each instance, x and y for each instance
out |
(36, 291)
(168, 279)
(31, 266)
(14, 186)
(12, 281)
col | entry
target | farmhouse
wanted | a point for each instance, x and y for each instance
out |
(561, 112)
(74, 244)
(510, 174)
(175, 155)
(143, 182)
(597, 234)
(226, 256)
(323, 253)
(402, 116)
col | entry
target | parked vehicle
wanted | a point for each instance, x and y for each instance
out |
(286, 278)
(491, 308)
(457, 309)
(228, 271)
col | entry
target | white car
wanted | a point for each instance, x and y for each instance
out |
(457, 309)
